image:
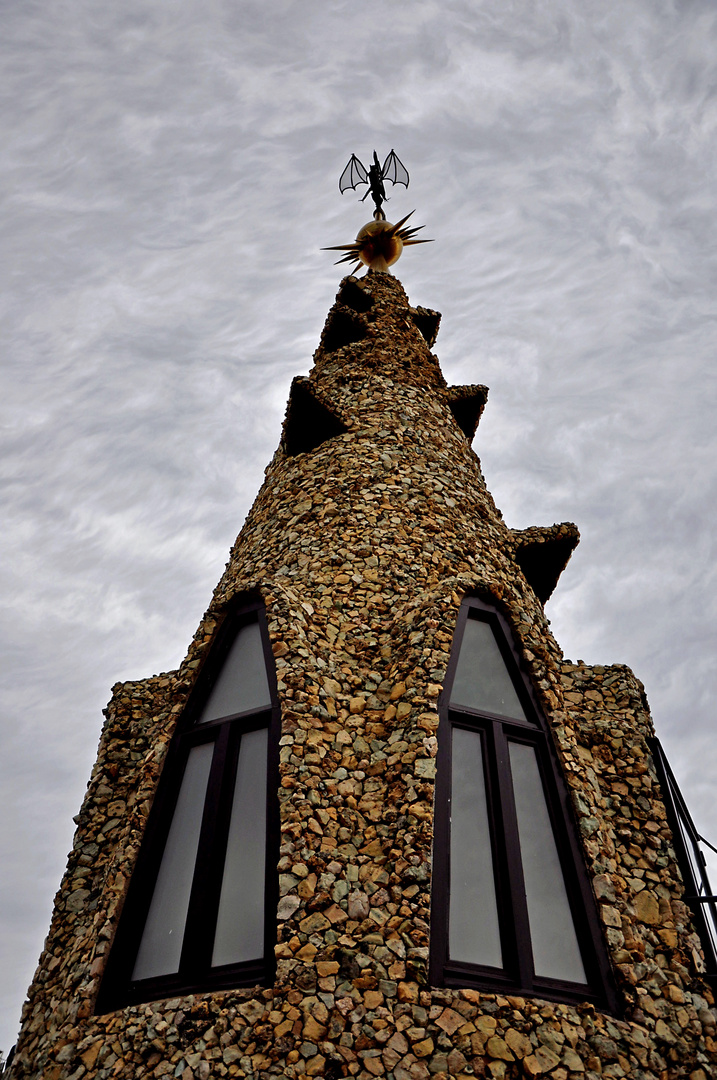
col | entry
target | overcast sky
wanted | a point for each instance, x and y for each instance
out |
(169, 173)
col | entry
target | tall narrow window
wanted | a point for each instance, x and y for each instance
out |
(512, 907)
(201, 908)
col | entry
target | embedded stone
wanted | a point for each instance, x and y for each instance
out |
(314, 922)
(399, 1043)
(486, 1024)
(604, 888)
(542, 1061)
(450, 1021)
(313, 1030)
(520, 1044)
(498, 1048)
(76, 900)
(647, 908)
(408, 991)
(456, 1062)
(89, 1057)
(572, 1061)
(286, 907)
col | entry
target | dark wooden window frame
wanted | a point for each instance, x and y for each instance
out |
(698, 893)
(195, 973)
(517, 975)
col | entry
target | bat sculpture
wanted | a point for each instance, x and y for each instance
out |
(379, 243)
(355, 174)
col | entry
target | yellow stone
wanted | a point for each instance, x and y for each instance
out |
(450, 1021)
(408, 991)
(313, 1030)
(542, 1061)
(518, 1043)
(314, 922)
(486, 1024)
(423, 1048)
(90, 1055)
(327, 967)
(315, 1065)
(498, 1048)
(647, 908)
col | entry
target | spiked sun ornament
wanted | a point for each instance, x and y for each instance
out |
(379, 243)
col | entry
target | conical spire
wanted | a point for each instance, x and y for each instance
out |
(371, 556)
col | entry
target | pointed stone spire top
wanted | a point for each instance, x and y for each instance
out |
(373, 330)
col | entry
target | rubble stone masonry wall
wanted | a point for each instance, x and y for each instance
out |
(363, 549)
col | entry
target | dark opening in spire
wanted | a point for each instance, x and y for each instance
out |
(309, 422)
(343, 328)
(356, 298)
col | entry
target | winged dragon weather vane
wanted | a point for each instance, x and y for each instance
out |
(379, 243)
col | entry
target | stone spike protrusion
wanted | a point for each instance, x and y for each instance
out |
(467, 404)
(543, 552)
(428, 322)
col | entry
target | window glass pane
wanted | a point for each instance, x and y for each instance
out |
(482, 680)
(473, 931)
(556, 954)
(161, 944)
(242, 683)
(240, 922)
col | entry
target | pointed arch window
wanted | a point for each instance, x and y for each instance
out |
(512, 907)
(200, 913)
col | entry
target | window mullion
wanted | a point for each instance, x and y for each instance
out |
(521, 951)
(204, 898)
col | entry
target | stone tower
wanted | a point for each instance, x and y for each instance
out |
(375, 825)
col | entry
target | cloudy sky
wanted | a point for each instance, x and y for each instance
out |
(169, 173)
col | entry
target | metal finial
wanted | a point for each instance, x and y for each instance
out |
(355, 174)
(379, 243)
